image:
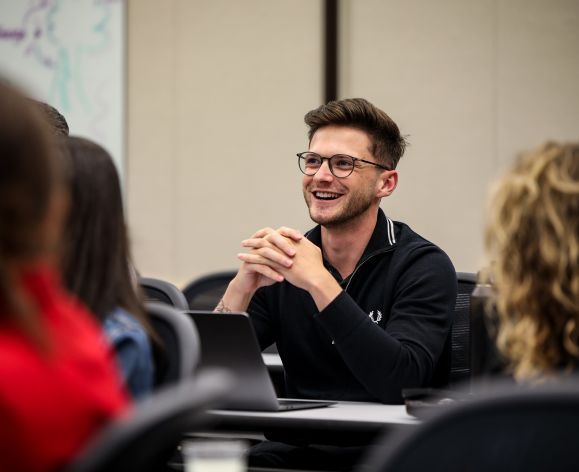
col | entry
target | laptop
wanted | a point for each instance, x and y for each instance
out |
(228, 341)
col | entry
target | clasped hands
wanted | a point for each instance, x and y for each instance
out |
(282, 254)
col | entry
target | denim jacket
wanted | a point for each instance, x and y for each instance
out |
(133, 351)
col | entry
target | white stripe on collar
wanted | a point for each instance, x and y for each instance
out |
(391, 236)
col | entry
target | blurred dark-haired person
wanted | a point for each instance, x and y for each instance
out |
(58, 381)
(97, 264)
(532, 239)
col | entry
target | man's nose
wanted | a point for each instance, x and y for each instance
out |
(324, 173)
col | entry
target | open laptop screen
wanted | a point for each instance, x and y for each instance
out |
(228, 341)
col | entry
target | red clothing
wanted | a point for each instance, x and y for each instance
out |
(51, 403)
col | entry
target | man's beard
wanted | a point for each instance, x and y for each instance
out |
(356, 205)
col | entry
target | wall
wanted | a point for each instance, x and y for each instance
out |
(218, 89)
(217, 92)
(472, 83)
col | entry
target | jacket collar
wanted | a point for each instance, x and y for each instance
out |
(383, 237)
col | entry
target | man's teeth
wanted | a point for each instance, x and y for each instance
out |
(326, 195)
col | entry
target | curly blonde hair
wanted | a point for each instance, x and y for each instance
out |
(532, 237)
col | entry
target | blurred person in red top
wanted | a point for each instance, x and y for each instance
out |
(58, 382)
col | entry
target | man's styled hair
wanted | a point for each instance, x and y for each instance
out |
(532, 237)
(388, 144)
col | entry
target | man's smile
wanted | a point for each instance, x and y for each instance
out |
(319, 195)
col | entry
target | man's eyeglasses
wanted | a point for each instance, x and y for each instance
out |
(341, 165)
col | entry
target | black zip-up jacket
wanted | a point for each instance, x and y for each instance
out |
(385, 331)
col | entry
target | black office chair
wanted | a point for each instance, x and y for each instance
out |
(460, 332)
(179, 354)
(205, 292)
(508, 428)
(164, 292)
(145, 439)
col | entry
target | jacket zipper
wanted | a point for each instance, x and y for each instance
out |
(372, 256)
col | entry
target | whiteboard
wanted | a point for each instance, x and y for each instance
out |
(70, 54)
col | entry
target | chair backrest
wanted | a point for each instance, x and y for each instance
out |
(460, 333)
(164, 292)
(205, 292)
(145, 438)
(512, 429)
(177, 358)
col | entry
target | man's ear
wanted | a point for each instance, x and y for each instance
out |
(386, 183)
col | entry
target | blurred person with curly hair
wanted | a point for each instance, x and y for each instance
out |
(532, 237)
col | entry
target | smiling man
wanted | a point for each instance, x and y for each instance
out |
(360, 306)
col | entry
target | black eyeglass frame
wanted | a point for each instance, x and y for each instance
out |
(329, 159)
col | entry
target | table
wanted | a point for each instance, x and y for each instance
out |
(345, 423)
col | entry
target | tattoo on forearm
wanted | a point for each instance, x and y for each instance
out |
(222, 307)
